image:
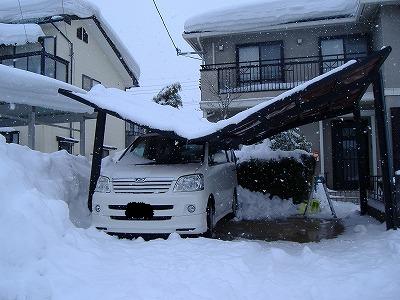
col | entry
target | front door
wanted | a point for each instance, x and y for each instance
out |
(344, 154)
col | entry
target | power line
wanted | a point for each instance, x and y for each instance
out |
(178, 51)
(165, 26)
(22, 19)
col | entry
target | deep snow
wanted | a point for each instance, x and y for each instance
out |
(44, 256)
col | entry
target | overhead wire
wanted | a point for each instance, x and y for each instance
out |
(23, 20)
(178, 51)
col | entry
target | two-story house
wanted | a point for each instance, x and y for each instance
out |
(69, 41)
(254, 52)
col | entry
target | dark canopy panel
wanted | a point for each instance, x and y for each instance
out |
(334, 95)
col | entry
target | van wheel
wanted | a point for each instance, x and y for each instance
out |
(210, 220)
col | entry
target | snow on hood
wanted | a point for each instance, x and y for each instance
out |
(260, 14)
(32, 10)
(19, 34)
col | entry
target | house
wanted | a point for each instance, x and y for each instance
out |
(69, 41)
(254, 52)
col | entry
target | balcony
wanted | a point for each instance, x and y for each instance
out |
(270, 75)
(39, 62)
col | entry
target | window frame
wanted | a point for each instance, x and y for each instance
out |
(82, 34)
(260, 45)
(92, 80)
(343, 37)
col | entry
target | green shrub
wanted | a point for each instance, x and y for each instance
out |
(286, 178)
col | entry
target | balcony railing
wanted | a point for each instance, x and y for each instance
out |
(39, 62)
(273, 75)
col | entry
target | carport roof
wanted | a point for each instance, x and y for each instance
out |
(329, 95)
(332, 94)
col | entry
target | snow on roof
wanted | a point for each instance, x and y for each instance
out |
(260, 15)
(67, 139)
(23, 87)
(33, 10)
(19, 34)
(7, 129)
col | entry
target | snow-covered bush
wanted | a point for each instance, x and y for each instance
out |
(286, 174)
(290, 140)
(170, 95)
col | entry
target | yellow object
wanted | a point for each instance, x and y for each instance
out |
(313, 208)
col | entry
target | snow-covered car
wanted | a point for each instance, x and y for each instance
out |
(160, 185)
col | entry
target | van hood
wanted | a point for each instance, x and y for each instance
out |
(118, 170)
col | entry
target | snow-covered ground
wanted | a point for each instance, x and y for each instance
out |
(44, 256)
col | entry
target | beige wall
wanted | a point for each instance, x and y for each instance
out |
(96, 60)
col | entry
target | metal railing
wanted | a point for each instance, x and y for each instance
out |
(39, 62)
(375, 189)
(272, 75)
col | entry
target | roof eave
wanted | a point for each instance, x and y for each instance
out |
(289, 26)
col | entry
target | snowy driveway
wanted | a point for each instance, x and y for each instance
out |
(44, 256)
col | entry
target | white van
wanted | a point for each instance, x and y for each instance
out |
(160, 185)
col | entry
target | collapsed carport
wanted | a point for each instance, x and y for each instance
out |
(333, 94)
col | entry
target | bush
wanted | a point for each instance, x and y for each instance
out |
(286, 178)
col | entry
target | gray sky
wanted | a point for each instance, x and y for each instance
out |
(139, 26)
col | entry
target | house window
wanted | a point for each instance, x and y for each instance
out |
(336, 51)
(11, 135)
(82, 34)
(261, 62)
(39, 58)
(66, 144)
(88, 82)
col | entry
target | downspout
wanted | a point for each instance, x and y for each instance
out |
(201, 48)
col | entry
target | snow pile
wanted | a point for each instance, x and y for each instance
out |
(33, 10)
(259, 15)
(57, 176)
(19, 34)
(263, 151)
(43, 256)
(257, 206)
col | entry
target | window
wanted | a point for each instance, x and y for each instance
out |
(11, 135)
(82, 34)
(217, 157)
(49, 44)
(261, 62)
(336, 51)
(39, 58)
(88, 82)
(161, 150)
(66, 144)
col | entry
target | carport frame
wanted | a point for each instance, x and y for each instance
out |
(313, 103)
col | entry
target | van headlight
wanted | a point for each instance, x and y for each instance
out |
(103, 185)
(189, 183)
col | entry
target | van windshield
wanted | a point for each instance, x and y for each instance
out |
(161, 150)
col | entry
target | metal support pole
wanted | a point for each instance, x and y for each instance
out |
(321, 149)
(82, 136)
(31, 128)
(385, 152)
(97, 154)
(361, 159)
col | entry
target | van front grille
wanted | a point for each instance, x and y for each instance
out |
(142, 185)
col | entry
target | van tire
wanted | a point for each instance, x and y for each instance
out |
(210, 219)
